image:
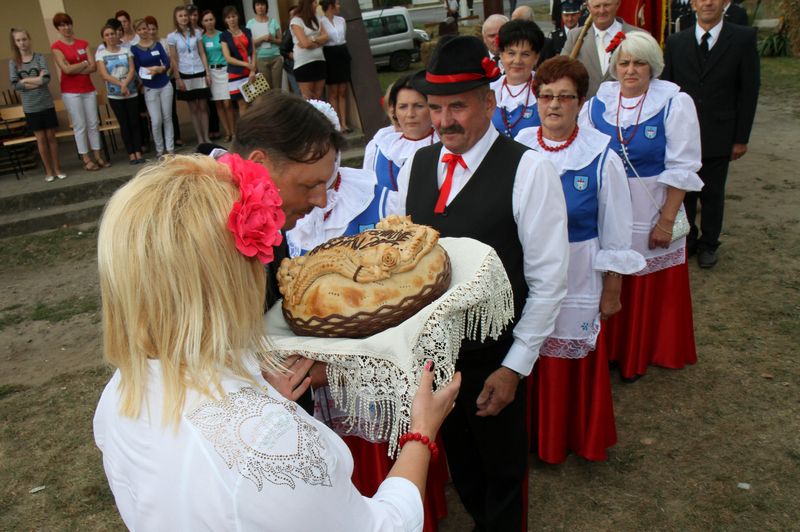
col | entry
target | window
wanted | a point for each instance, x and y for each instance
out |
(384, 26)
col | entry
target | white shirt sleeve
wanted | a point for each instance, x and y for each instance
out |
(370, 153)
(541, 215)
(615, 221)
(396, 204)
(683, 154)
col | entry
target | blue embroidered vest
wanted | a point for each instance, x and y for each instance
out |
(647, 148)
(580, 191)
(519, 119)
(386, 171)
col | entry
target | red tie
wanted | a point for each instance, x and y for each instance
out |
(452, 160)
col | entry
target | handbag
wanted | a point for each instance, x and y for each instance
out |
(253, 89)
(681, 226)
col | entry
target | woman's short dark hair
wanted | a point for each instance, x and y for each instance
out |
(562, 66)
(61, 18)
(520, 31)
(405, 82)
(105, 27)
(227, 10)
(151, 20)
(122, 13)
(288, 128)
(264, 2)
(327, 4)
(114, 23)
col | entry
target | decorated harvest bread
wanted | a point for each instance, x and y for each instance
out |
(356, 286)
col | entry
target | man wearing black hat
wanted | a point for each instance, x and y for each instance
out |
(570, 15)
(476, 183)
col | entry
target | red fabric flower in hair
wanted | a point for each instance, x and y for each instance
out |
(490, 68)
(615, 42)
(256, 219)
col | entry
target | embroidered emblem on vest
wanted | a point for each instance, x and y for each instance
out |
(362, 228)
(650, 132)
(528, 113)
(580, 182)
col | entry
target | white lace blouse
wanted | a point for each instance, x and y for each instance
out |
(248, 461)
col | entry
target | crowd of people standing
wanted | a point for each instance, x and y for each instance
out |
(142, 73)
(581, 172)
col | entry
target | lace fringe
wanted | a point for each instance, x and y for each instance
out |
(375, 397)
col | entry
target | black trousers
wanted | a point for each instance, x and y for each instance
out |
(714, 173)
(127, 112)
(488, 456)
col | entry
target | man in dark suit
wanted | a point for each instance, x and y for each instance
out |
(717, 64)
(570, 14)
(593, 54)
(733, 13)
(477, 183)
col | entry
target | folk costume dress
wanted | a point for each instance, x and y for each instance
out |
(388, 151)
(246, 460)
(356, 203)
(572, 409)
(660, 134)
(516, 107)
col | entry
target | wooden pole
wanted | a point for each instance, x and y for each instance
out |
(581, 37)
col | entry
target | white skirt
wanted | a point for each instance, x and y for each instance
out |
(219, 84)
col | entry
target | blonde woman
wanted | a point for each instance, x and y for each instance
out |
(193, 434)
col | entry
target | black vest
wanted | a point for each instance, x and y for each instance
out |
(482, 210)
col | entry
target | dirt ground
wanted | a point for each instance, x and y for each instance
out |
(714, 446)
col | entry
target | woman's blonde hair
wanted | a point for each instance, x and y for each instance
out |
(175, 289)
(639, 45)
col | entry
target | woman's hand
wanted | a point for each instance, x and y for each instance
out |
(180, 84)
(125, 91)
(610, 302)
(208, 79)
(430, 408)
(153, 70)
(251, 77)
(661, 234)
(293, 382)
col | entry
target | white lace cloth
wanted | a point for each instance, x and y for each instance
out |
(374, 379)
(515, 95)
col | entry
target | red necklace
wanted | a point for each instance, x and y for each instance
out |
(560, 147)
(638, 116)
(336, 185)
(422, 137)
(504, 113)
(527, 85)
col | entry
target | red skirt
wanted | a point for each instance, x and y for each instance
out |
(655, 324)
(371, 464)
(571, 407)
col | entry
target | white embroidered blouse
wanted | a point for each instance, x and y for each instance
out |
(249, 461)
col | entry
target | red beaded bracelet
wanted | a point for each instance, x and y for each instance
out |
(424, 440)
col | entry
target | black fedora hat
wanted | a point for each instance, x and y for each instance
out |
(459, 63)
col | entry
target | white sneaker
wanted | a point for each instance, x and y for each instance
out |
(50, 178)
(61, 176)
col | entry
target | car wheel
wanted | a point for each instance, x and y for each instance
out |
(400, 61)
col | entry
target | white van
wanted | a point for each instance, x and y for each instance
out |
(392, 38)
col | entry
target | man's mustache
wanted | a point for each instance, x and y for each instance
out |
(449, 130)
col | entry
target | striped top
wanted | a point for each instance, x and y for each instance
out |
(36, 99)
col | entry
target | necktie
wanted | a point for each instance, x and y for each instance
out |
(601, 50)
(452, 160)
(704, 46)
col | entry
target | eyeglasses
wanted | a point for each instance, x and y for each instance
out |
(563, 98)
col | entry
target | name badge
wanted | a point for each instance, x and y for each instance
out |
(82, 51)
(209, 45)
(155, 52)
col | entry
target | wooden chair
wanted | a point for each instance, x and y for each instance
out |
(13, 121)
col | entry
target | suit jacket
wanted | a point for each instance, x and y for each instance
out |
(724, 90)
(735, 14)
(588, 54)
